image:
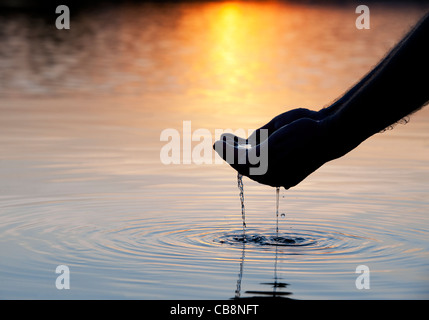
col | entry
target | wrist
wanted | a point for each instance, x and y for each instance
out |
(340, 136)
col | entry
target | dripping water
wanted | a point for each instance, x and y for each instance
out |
(277, 211)
(240, 187)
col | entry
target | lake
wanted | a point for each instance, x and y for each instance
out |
(82, 183)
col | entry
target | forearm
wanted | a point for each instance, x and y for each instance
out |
(340, 102)
(398, 86)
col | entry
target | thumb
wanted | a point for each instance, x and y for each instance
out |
(233, 155)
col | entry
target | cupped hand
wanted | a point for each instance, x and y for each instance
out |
(297, 144)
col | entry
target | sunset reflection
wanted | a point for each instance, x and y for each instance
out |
(237, 49)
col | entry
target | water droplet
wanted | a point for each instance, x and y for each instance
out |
(277, 209)
(240, 186)
(282, 215)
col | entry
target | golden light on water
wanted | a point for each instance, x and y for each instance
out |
(241, 58)
(236, 49)
(250, 57)
(229, 36)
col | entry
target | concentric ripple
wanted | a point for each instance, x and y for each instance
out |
(270, 240)
(153, 237)
(100, 235)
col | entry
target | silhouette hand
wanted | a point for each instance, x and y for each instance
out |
(297, 144)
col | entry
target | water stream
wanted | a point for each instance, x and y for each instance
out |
(243, 214)
(261, 238)
(277, 211)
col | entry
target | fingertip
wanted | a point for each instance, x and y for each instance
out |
(218, 146)
(227, 136)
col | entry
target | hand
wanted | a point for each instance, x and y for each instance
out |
(275, 124)
(297, 144)
(300, 141)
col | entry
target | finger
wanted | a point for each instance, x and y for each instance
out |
(255, 138)
(235, 156)
(232, 139)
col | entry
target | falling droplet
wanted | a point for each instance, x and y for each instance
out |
(277, 210)
(282, 215)
(240, 187)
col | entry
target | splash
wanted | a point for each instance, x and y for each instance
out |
(259, 239)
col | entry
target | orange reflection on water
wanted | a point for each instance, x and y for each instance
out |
(237, 47)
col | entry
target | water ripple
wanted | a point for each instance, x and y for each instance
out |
(50, 233)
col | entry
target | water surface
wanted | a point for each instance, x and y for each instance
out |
(82, 184)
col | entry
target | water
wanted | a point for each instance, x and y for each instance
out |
(243, 213)
(277, 240)
(277, 211)
(81, 182)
